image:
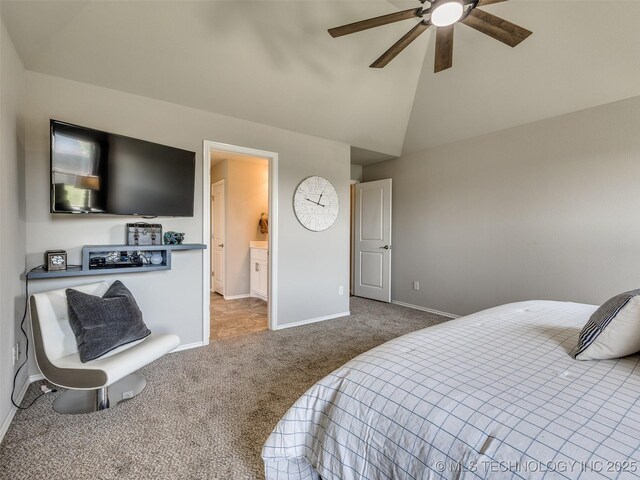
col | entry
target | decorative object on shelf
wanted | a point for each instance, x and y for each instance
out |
(263, 223)
(173, 238)
(316, 203)
(119, 259)
(156, 258)
(97, 262)
(55, 260)
(144, 257)
(141, 233)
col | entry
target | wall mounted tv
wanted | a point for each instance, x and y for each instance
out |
(97, 172)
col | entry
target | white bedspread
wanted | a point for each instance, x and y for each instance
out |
(493, 395)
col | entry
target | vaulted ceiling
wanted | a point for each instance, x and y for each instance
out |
(273, 62)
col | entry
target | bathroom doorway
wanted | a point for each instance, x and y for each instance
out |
(239, 239)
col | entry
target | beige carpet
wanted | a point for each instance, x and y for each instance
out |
(205, 412)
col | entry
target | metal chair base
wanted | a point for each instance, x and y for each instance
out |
(89, 401)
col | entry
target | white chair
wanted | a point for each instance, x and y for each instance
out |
(94, 385)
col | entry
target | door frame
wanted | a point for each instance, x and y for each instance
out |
(224, 237)
(272, 159)
(352, 235)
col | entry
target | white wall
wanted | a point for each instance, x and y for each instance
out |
(247, 196)
(12, 219)
(544, 211)
(172, 300)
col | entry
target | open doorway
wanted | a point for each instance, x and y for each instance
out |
(240, 269)
(240, 244)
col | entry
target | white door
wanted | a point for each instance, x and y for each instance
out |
(217, 236)
(372, 245)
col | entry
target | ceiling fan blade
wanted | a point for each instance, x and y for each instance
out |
(375, 22)
(496, 27)
(444, 48)
(400, 45)
(482, 3)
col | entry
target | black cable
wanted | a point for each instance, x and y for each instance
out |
(26, 349)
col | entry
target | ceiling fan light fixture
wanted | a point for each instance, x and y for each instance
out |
(446, 12)
(441, 15)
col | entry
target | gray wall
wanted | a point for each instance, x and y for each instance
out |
(12, 217)
(356, 172)
(172, 300)
(544, 211)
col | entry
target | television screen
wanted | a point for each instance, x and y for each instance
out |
(99, 172)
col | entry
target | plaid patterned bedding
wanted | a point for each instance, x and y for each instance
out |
(494, 395)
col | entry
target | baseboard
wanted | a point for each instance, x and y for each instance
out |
(312, 320)
(236, 297)
(425, 309)
(7, 421)
(187, 346)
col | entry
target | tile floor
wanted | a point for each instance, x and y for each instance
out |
(230, 318)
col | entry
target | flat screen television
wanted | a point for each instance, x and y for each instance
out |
(96, 172)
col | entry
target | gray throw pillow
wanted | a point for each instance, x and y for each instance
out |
(102, 324)
(613, 331)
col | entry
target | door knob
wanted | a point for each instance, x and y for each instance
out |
(387, 247)
(221, 245)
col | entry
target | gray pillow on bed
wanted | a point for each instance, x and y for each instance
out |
(102, 324)
(613, 331)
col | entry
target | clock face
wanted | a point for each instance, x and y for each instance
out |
(316, 203)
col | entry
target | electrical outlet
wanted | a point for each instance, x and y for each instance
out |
(340, 290)
(416, 285)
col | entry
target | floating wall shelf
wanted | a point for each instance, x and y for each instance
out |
(89, 251)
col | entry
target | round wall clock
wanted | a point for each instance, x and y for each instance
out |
(316, 203)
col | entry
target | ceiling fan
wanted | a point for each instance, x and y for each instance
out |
(442, 14)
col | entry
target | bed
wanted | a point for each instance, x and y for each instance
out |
(494, 395)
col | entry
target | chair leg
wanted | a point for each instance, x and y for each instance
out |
(88, 401)
(102, 398)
